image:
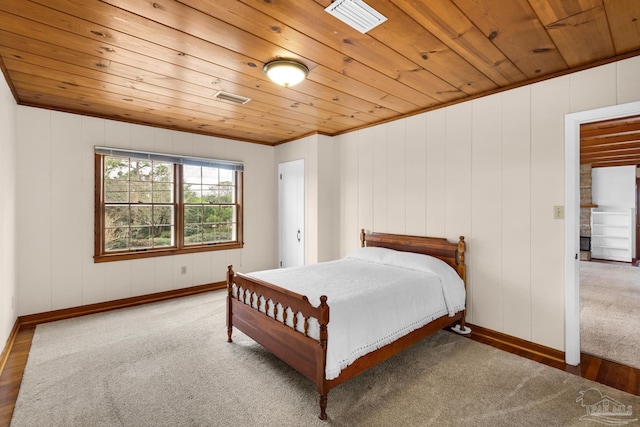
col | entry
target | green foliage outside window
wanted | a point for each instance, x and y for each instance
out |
(209, 205)
(139, 205)
(139, 201)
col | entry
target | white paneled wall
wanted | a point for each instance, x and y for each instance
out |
(435, 173)
(55, 182)
(550, 100)
(486, 212)
(516, 212)
(415, 176)
(8, 236)
(365, 189)
(491, 169)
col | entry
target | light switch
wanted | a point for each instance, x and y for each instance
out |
(558, 212)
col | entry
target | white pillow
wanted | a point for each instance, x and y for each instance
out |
(452, 285)
(371, 254)
(421, 262)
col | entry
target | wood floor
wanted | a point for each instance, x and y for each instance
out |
(593, 368)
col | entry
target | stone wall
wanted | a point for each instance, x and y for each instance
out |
(585, 209)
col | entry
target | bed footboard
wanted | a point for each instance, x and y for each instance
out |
(278, 319)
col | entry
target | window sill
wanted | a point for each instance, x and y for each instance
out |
(122, 256)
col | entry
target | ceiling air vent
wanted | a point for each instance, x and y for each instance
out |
(356, 14)
(231, 97)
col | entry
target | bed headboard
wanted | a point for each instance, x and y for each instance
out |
(451, 253)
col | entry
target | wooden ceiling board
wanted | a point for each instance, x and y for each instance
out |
(160, 62)
(551, 11)
(515, 29)
(624, 23)
(581, 38)
(443, 19)
(426, 51)
(614, 142)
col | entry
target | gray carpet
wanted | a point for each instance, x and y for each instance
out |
(168, 364)
(610, 311)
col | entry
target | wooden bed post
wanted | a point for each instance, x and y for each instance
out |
(230, 275)
(323, 389)
(462, 268)
(462, 271)
(362, 235)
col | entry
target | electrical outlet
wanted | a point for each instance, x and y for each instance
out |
(558, 212)
(183, 269)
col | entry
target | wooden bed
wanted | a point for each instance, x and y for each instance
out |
(308, 355)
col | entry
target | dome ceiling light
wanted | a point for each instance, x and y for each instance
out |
(285, 72)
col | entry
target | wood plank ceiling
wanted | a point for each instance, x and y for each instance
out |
(614, 142)
(159, 62)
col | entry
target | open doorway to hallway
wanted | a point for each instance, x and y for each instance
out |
(572, 218)
(607, 307)
(609, 279)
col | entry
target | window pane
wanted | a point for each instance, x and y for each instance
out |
(162, 192)
(162, 215)
(115, 216)
(193, 234)
(116, 239)
(226, 194)
(220, 233)
(141, 215)
(193, 215)
(116, 191)
(192, 193)
(163, 236)
(226, 176)
(214, 190)
(140, 237)
(141, 192)
(141, 170)
(210, 176)
(210, 194)
(192, 174)
(116, 168)
(162, 172)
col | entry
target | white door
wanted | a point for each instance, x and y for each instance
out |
(291, 213)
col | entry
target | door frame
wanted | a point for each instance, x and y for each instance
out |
(636, 258)
(572, 217)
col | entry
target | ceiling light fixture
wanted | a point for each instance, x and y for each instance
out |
(285, 72)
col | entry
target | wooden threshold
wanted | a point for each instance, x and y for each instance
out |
(593, 368)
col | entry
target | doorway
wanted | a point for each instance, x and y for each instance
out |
(636, 261)
(572, 218)
(291, 214)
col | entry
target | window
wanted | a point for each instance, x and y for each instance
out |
(151, 204)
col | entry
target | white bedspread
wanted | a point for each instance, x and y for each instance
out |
(375, 296)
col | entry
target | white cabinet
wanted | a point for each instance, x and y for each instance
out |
(611, 235)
